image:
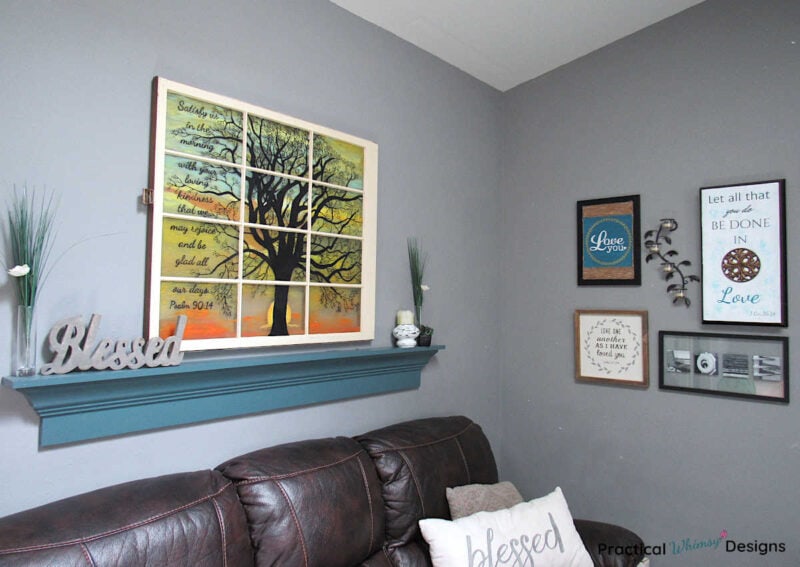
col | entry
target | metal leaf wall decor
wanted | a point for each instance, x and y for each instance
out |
(659, 246)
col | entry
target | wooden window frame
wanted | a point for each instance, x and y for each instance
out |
(361, 310)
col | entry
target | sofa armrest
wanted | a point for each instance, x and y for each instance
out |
(610, 545)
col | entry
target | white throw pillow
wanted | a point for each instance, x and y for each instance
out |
(539, 532)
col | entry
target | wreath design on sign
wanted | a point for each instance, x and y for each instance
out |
(741, 265)
(602, 365)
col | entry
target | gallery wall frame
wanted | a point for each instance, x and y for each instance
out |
(611, 347)
(263, 226)
(743, 246)
(609, 244)
(732, 365)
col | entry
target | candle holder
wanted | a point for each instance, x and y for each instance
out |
(670, 266)
(406, 335)
(406, 332)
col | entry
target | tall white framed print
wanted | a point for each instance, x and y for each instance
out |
(743, 235)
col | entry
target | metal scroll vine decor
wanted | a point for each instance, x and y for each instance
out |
(658, 244)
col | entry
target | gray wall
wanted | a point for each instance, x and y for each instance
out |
(707, 97)
(75, 94)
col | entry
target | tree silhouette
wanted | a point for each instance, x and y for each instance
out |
(288, 211)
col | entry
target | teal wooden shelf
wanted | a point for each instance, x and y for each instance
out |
(89, 405)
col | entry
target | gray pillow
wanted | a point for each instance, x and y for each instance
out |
(472, 498)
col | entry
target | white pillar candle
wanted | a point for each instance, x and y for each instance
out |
(405, 317)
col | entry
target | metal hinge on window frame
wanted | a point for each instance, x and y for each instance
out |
(147, 196)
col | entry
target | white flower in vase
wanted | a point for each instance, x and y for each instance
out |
(19, 271)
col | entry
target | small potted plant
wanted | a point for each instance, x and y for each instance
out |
(425, 336)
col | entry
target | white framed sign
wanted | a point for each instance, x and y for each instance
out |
(743, 234)
(611, 346)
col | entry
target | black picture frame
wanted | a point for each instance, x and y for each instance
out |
(609, 241)
(752, 367)
(743, 251)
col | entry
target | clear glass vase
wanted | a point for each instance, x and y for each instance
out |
(24, 347)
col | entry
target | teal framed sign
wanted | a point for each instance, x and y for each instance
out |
(609, 247)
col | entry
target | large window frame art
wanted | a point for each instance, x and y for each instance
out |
(263, 226)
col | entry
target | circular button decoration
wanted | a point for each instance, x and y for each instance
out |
(607, 242)
(741, 265)
(706, 363)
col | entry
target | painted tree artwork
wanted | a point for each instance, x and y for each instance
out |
(264, 225)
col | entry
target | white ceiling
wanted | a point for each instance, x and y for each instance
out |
(507, 42)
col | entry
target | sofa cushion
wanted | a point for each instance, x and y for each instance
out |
(310, 503)
(187, 519)
(416, 461)
(378, 559)
(602, 541)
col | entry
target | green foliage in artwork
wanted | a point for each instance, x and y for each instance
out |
(335, 260)
(272, 146)
(337, 211)
(338, 162)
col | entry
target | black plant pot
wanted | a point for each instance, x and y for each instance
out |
(424, 340)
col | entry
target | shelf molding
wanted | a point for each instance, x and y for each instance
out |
(80, 406)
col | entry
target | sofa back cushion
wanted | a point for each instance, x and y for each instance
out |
(416, 462)
(310, 503)
(181, 520)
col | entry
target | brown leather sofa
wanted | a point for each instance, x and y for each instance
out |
(326, 502)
